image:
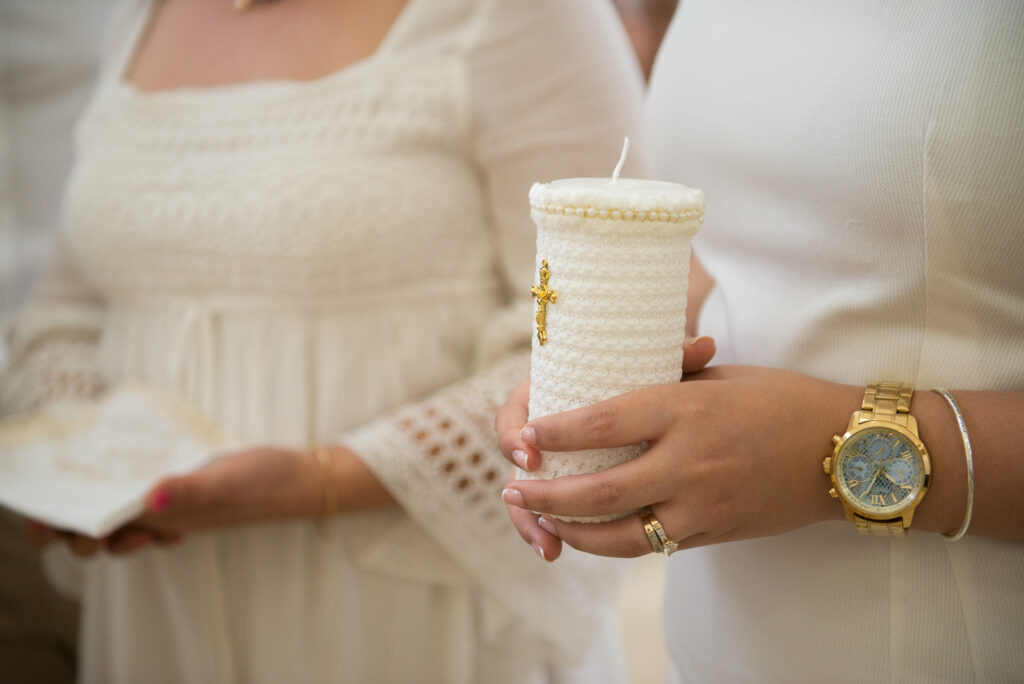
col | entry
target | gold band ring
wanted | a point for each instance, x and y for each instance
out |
(660, 541)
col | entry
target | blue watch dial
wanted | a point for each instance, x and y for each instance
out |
(880, 470)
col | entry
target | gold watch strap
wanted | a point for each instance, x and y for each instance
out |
(889, 402)
(878, 528)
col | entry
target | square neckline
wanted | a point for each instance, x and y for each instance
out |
(265, 85)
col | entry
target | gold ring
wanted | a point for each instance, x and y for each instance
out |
(652, 535)
(660, 541)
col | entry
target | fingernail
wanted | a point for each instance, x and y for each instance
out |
(540, 550)
(512, 496)
(528, 435)
(138, 543)
(520, 456)
(160, 500)
(547, 525)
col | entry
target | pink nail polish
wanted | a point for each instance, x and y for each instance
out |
(547, 525)
(529, 435)
(540, 550)
(520, 456)
(160, 500)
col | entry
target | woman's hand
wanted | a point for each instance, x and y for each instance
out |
(697, 353)
(253, 485)
(735, 453)
(124, 540)
(248, 486)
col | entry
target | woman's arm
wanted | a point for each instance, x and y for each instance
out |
(736, 452)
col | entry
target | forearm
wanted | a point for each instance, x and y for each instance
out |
(354, 485)
(993, 421)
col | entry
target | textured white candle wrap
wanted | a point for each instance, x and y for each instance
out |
(618, 255)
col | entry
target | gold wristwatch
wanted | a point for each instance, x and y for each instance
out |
(880, 469)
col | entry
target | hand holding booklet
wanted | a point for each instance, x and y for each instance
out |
(88, 468)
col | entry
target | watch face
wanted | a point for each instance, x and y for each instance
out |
(880, 471)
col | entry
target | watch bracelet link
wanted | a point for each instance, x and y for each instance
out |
(890, 402)
(878, 528)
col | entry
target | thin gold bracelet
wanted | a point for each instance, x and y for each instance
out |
(969, 458)
(323, 457)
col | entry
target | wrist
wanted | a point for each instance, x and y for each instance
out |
(943, 508)
(837, 405)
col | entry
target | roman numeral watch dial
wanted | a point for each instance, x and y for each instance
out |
(880, 468)
(879, 472)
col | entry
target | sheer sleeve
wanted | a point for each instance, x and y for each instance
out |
(53, 343)
(553, 88)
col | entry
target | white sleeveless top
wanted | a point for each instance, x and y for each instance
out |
(329, 260)
(862, 162)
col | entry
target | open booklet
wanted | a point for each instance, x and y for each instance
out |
(87, 468)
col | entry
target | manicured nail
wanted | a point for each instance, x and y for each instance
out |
(160, 500)
(520, 456)
(547, 525)
(529, 435)
(540, 550)
(512, 496)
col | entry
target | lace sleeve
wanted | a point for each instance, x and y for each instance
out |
(440, 459)
(52, 343)
(543, 109)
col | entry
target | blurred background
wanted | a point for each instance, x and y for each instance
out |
(49, 54)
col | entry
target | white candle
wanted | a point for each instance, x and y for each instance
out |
(613, 259)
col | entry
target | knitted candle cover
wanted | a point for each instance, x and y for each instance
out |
(617, 256)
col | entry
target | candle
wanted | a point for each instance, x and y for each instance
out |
(613, 259)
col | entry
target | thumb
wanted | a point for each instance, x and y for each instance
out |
(697, 353)
(181, 493)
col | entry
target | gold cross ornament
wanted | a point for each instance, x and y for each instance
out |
(543, 294)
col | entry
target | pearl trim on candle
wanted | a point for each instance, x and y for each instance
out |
(696, 214)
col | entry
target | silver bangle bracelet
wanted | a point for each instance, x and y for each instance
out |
(969, 458)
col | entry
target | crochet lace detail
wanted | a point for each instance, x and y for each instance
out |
(59, 368)
(444, 464)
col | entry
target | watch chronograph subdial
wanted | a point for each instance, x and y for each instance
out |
(901, 471)
(878, 448)
(858, 471)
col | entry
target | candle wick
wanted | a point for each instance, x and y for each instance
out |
(622, 160)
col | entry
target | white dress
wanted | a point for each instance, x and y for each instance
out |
(862, 162)
(330, 260)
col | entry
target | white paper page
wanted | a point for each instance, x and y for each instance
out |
(88, 470)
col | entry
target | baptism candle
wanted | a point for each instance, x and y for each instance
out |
(613, 259)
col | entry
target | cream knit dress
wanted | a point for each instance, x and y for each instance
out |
(330, 260)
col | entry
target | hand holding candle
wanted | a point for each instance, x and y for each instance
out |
(612, 262)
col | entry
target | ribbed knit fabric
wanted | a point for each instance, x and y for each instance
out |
(618, 255)
(864, 167)
(344, 259)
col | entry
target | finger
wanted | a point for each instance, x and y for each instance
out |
(622, 488)
(509, 422)
(167, 538)
(38, 534)
(182, 494)
(545, 544)
(627, 419)
(623, 538)
(127, 540)
(83, 546)
(697, 353)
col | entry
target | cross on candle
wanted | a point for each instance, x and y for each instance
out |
(543, 294)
